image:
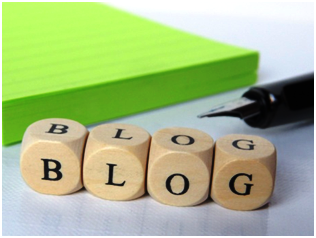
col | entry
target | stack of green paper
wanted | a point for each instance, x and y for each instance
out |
(90, 62)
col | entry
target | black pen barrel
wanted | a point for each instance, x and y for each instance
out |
(283, 102)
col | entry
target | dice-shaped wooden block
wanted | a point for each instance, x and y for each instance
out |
(244, 172)
(115, 161)
(179, 168)
(51, 156)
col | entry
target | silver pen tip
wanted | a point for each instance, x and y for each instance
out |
(242, 108)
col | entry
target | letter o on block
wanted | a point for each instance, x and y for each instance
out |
(115, 161)
(51, 156)
(244, 172)
(179, 166)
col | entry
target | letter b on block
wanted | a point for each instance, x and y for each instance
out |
(244, 172)
(179, 166)
(51, 156)
(115, 161)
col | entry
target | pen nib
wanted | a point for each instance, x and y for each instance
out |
(242, 108)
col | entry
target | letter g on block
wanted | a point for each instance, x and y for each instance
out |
(244, 172)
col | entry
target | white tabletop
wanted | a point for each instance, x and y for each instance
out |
(284, 35)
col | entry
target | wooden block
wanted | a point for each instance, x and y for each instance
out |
(244, 172)
(179, 166)
(115, 161)
(51, 156)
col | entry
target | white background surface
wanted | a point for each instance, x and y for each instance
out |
(284, 35)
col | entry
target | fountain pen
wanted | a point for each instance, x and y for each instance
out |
(273, 104)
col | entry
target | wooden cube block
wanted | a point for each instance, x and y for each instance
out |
(244, 172)
(51, 156)
(179, 168)
(115, 161)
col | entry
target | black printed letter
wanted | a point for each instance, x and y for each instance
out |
(118, 135)
(110, 182)
(56, 170)
(174, 140)
(251, 146)
(248, 185)
(186, 184)
(61, 130)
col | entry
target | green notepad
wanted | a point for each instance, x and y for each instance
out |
(90, 62)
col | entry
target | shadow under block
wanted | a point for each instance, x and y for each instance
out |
(244, 172)
(68, 60)
(51, 156)
(115, 161)
(179, 166)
